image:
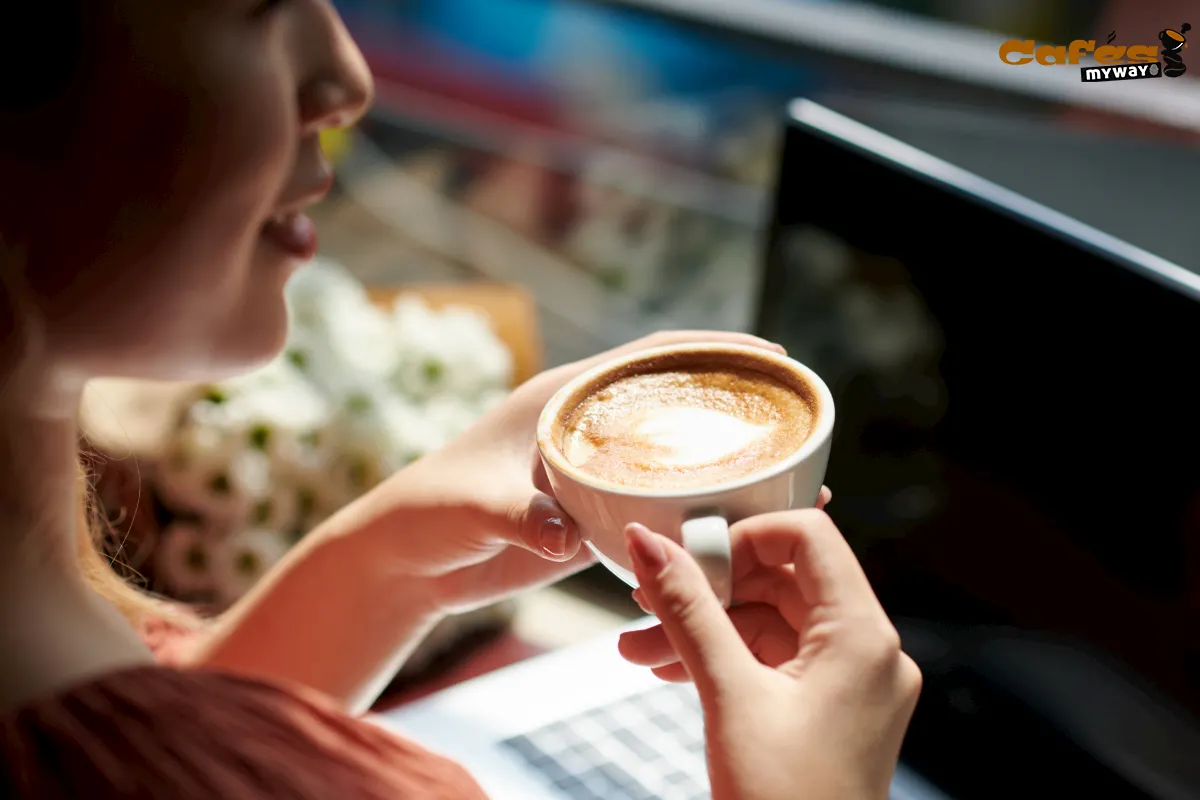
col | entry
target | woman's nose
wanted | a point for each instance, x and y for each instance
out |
(342, 89)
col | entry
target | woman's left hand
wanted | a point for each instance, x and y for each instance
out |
(477, 519)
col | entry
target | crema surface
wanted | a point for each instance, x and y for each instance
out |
(686, 428)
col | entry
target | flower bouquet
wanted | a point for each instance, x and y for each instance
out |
(245, 467)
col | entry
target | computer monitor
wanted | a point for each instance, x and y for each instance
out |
(1014, 459)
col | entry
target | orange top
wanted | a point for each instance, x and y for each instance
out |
(164, 732)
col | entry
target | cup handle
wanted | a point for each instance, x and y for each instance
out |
(707, 540)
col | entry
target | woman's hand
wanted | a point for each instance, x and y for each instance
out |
(805, 688)
(461, 528)
(476, 519)
(758, 616)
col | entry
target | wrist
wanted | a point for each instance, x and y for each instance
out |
(419, 529)
(370, 566)
(331, 616)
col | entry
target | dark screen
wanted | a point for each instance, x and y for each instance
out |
(1015, 462)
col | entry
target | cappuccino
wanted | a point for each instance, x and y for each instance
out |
(686, 421)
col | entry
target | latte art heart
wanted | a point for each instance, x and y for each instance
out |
(678, 437)
(682, 428)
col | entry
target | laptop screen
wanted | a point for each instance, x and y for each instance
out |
(1014, 460)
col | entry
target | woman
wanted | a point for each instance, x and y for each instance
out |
(156, 157)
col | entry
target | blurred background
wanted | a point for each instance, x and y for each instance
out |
(616, 158)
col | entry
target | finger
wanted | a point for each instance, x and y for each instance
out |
(542, 527)
(774, 586)
(824, 567)
(541, 480)
(643, 603)
(698, 627)
(664, 338)
(765, 632)
(824, 497)
(513, 570)
(673, 673)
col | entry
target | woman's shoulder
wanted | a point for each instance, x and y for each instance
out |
(156, 731)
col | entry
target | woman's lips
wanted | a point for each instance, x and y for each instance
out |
(294, 233)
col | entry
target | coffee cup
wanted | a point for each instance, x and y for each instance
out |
(686, 439)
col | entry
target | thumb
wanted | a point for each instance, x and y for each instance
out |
(543, 527)
(691, 615)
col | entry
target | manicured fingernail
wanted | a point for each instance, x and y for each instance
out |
(639, 597)
(553, 537)
(645, 549)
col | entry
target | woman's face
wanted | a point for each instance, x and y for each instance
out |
(160, 195)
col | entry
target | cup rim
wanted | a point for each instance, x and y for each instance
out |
(553, 455)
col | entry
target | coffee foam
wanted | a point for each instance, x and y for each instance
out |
(687, 421)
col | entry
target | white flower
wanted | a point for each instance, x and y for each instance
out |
(362, 339)
(195, 474)
(482, 360)
(218, 483)
(375, 433)
(293, 409)
(335, 326)
(319, 287)
(275, 373)
(270, 418)
(313, 355)
(243, 558)
(276, 510)
(183, 560)
(424, 355)
(250, 474)
(211, 397)
(454, 351)
(317, 497)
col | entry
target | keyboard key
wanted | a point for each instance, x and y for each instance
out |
(646, 747)
(635, 744)
(574, 788)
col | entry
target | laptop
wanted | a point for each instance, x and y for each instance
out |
(1013, 463)
(579, 723)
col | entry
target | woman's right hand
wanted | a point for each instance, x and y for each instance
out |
(805, 689)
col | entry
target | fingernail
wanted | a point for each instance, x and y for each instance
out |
(645, 549)
(553, 537)
(639, 597)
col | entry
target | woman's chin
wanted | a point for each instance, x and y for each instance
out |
(257, 338)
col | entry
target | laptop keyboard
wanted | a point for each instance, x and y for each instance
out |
(649, 746)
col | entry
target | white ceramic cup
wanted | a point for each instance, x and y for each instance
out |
(699, 518)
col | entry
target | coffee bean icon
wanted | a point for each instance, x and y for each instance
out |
(1173, 43)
